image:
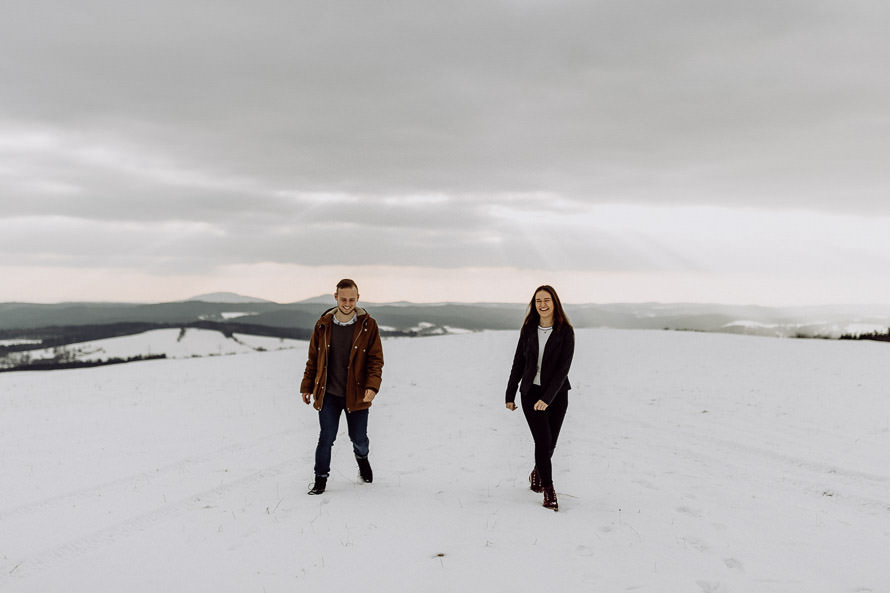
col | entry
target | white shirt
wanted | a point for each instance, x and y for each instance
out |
(543, 335)
(350, 322)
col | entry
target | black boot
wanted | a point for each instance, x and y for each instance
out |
(534, 479)
(364, 469)
(550, 498)
(320, 483)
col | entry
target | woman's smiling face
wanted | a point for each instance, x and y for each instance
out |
(544, 305)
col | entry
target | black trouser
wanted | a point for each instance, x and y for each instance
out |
(545, 427)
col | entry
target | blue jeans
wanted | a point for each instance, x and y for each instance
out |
(329, 419)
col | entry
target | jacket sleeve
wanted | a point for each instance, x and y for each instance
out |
(374, 364)
(517, 369)
(308, 383)
(560, 373)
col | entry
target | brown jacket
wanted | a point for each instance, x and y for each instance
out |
(365, 360)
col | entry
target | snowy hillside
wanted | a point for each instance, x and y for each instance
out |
(689, 463)
(173, 343)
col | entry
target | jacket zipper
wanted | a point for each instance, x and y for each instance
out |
(324, 336)
(352, 351)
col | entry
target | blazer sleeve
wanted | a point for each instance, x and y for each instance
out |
(517, 369)
(560, 373)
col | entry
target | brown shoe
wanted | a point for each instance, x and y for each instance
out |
(535, 481)
(550, 498)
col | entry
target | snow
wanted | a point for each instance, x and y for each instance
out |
(822, 329)
(456, 330)
(426, 328)
(235, 315)
(175, 343)
(857, 329)
(689, 462)
(17, 342)
(751, 324)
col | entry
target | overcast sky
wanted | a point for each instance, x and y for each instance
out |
(623, 151)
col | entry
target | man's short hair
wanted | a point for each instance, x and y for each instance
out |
(347, 283)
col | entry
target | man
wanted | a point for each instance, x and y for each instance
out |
(343, 373)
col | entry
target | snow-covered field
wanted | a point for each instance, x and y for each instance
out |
(816, 329)
(689, 462)
(174, 343)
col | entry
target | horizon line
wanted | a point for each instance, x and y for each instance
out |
(309, 300)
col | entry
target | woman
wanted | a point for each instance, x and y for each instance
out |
(540, 371)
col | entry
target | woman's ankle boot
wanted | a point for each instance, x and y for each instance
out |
(550, 498)
(534, 479)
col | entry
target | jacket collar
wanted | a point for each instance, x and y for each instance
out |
(329, 314)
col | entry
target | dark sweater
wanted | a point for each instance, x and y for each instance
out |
(338, 359)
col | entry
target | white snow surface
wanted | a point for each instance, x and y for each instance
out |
(235, 315)
(16, 342)
(813, 329)
(175, 343)
(857, 329)
(456, 330)
(751, 324)
(688, 462)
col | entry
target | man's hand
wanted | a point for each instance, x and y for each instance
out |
(540, 405)
(307, 398)
(511, 406)
(369, 395)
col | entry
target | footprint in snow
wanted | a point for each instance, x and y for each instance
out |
(733, 563)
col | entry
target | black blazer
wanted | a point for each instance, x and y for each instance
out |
(554, 369)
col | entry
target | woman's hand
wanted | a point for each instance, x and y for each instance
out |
(370, 394)
(511, 406)
(540, 405)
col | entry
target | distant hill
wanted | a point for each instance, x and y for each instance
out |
(226, 297)
(25, 326)
(324, 299)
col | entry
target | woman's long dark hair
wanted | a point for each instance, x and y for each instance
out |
(533, 318)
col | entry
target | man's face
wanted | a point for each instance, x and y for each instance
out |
(346, 300)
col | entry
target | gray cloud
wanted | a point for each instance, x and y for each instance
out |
(408, 126)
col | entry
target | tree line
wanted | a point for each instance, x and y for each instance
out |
(875, 335)
(52, 365)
